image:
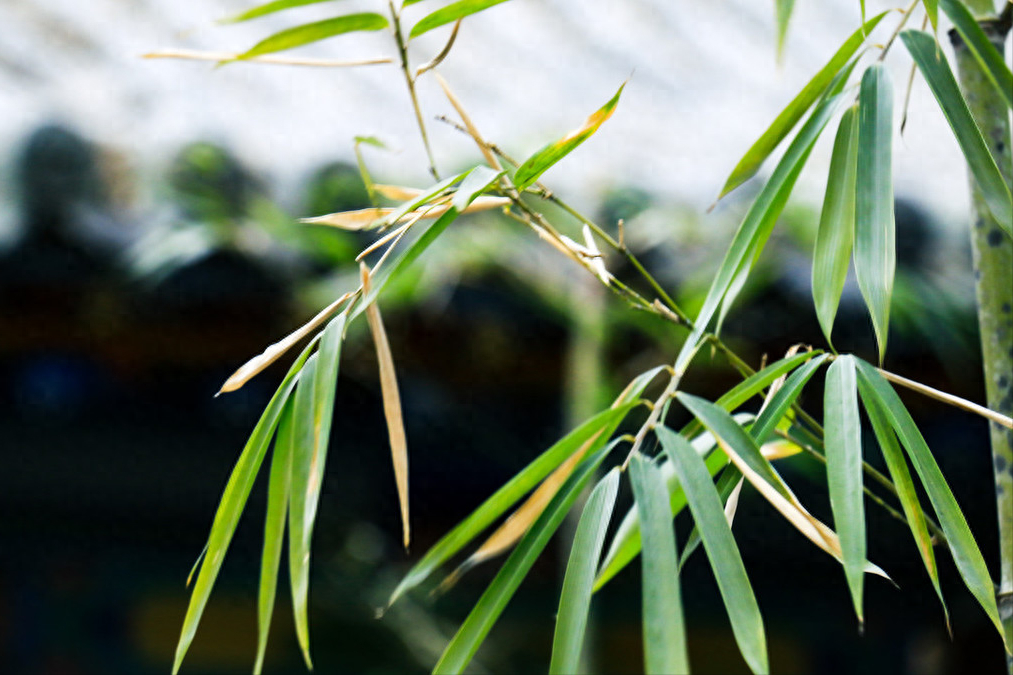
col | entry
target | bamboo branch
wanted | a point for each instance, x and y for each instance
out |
(195, 55)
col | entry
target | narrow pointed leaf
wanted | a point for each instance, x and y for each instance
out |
(486, 611)
(984, 51)
(231, 506)
(782, 399)
(932, 11)
(664, 632)
(314, 32)
(836, 233)
(875, 255)
(269, 8)
(901, 477)
(728, 487)
(782, 15)
(313, 411)
(966, 554)
(575, 597)
(278, 489)
(708, 513)
(937, 73)
(843, 443)
(541, 161)
(450, 14)
(789, 117)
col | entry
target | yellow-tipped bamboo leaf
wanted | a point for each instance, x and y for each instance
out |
(575, 597)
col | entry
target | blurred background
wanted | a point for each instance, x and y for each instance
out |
(148, 247)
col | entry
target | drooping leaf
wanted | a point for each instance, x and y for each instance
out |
(231, 506)
(843, 443)
(664, 632)
(508, 495)
(982, 48)
(486, 611)
(782, 399)
(278, 490)
(901, 477)
(875, 246)
(475, 183)
(450, 14)
(789, 117)
(728, 487)
(932, 11)
(966, 553)
(540, 162)
(575, 597)
(708, 513)
(269, 8)
(782, 15)
(837, 224)
(313, 412)
(937, 74)
(315, 32)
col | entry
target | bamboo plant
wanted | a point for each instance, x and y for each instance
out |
(700, 467)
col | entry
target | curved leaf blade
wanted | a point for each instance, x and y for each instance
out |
(966, 554)
(836, 233)
(486, 611)
(540, 162)
(782, 15)
(269, 8)
(708, 513)
(450, 14)
(984, 51)
(575, 598)
(782, 399)
(789, 117)
(728, 486)
(664, 632)
(315, 32)
(937, 74)
(875, 246)
(843, 443)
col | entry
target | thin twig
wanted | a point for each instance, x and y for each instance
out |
(955, 401)
(896, 31)
(402, 49)
(194, 55)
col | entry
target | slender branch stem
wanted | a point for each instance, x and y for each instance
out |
(955, 401)
(195, 55)
(896, 31)
(402, 49)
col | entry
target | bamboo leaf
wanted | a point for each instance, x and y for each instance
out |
(708, 513)
(473, 631)
(450, 14)
(269, 8)
(313, 411)
(314, 32)
(789, 117)
(782, 399)
(837, 224)
(843, 443)
(575, 597)
(664, 633)
(782, 15)
(875, 256)
(728, 487)
(937, 74)
(932, 11)
(278, 491)
(541, 161)
(508, 495)
(982, 48)
(966, 554)
(391, 406)
(231, 506)
(901, 477)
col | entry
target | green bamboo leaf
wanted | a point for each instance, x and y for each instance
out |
(231, 506)
(984, 51)
(486, 611)
(314, 32)
(875, 257)
(789, 117)
(450, 14)
(782, 15)
(725, 486)
(664, 633)
(278, 490)
(575, 598)
(508, 495)
(843, 443)
(422, 198)
(474, 184)
(269, 8)
(932, 11)
(540, 162)
(937, 74)
(313, 412)
(901, 477)
(708, 513)
(837, 224)
(782, 399)
(966, 554)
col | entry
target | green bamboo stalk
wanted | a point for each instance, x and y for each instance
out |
(993, 262)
